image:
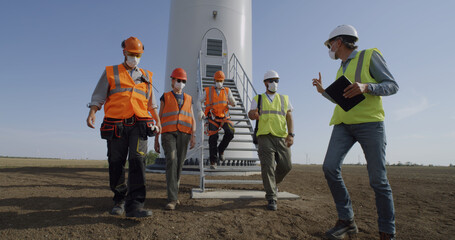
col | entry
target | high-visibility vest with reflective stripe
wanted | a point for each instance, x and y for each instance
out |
(272, 119)
(217, 102)
(175, 119)
(126, 98)
(370, 109)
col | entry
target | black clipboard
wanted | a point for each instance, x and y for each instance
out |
(336, 90)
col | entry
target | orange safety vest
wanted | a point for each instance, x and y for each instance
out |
(175, 119)
(219, 103)
(126, 98)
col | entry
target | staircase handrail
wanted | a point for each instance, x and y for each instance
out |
(242, 82)
(201, 134)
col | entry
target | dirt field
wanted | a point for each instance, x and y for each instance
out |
(70, 199)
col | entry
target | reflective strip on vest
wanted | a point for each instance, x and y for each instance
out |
(174, 118)
(370, 109)
(168, 114)
(211, 93)
(282, 113)
(218, 111)
(118, 87)
(125, 98)
(358, 70)
(176, 123)
(272, 118)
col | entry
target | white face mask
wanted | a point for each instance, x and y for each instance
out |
(332, 54)
(132, 61)
(272, 87)
(219, 84)
(179, 85)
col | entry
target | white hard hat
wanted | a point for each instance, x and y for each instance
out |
(342, 30)
(271, 74)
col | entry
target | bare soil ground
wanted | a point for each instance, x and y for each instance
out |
(70, 199)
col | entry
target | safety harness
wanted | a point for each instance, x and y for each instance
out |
(216, 121)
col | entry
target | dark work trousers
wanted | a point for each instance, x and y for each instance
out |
(213, 140)
(133, 146)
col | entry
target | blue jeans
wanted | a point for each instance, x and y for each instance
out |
(371, 137)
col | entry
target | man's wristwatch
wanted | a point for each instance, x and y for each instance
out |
(291, 134)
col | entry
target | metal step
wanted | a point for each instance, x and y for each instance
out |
(240, 119)
(237, 108)
(239, 114)
(233, 140)
(242, 126)
(233, 89)
(217, 181)
(211, 83)
(240, 133)
(236, 149)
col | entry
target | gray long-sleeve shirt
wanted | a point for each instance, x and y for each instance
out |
(378, 70)
(99, 95)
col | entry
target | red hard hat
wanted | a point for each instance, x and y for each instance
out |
(133, 45)
(219, 75)
(179, 73)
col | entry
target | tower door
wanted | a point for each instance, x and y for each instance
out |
(214, 53)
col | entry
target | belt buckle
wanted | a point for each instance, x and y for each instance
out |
(129, 121)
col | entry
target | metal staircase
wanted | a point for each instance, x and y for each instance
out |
(241, 154)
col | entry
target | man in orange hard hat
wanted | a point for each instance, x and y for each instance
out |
(127, 94)
(176, 113)
(216, 100)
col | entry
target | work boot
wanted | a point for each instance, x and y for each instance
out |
(212, 165)
(386, 236)
(118, 209)
(171, 205)
(341, 228)
(221, 157)
(272, 205)
(139, 213)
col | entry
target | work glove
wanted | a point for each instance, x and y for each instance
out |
(201, 115)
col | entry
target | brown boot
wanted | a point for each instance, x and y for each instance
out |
(171, 205)
(386, 236)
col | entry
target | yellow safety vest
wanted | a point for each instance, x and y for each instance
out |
(272, 118)
(370, 109)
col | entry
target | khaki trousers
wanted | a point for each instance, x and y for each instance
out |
(175, 145)
(275, 159)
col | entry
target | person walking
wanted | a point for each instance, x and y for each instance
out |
(275, 135)
(127, 94)
(217, 100)
(178, 123)
(364, 123)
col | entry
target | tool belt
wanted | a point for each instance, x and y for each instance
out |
(217, 122)
(113, 128)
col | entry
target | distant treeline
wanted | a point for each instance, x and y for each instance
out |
(1, 156)
(406, 164)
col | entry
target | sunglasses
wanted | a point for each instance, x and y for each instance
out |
(329, 45)
(181, 81)
(138, 55)
(271, 80)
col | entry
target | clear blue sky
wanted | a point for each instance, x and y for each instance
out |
(53, 53)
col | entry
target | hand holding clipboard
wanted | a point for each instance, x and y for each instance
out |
(346, 94)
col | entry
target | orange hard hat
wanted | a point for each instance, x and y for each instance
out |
(219, 76)
(179, 73)
(133, 45)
